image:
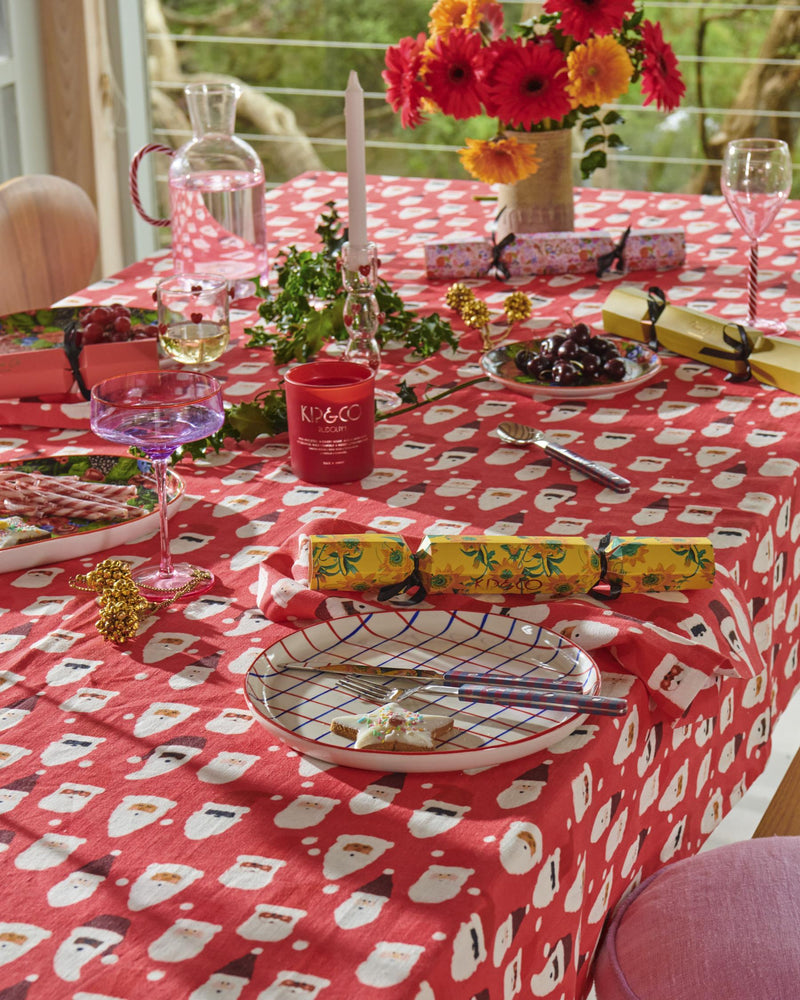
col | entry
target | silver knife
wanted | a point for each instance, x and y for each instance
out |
(559, 682)
(513, 433)
(560, 701)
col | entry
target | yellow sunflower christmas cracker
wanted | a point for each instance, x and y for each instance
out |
(556, 566)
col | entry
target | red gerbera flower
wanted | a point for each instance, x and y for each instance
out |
(405, 90)
(453, 73)
(582, 18)
(526, 82)
(661, 79)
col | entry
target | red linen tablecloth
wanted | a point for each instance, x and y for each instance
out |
(155, 839)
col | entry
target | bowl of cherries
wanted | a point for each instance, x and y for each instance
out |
(572, 362)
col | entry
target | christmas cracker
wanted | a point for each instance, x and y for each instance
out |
(536, 566)
(555, 253)
(741, 350)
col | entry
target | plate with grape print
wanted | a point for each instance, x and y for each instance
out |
(33, 533)
(572, 364)
(42, 328)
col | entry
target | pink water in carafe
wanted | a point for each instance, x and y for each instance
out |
(216, 188)
(218, 223)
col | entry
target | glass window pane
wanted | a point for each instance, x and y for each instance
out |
(10, 162)
(5, 39)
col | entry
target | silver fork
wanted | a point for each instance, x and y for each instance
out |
(561, 701)
(376, 693)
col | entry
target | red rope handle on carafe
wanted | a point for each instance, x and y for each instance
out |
(133, 180)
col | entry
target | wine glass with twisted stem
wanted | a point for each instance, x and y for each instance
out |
(756, 180)
(156, 411)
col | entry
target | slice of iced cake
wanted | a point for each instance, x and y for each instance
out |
(391, 727)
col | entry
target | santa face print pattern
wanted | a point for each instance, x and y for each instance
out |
(155, 839)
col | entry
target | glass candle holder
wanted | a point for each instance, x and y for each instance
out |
(193, 317)
(330, 407)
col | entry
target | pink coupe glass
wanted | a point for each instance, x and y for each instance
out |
(156, 411)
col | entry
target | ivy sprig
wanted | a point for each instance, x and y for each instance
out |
(306, 310)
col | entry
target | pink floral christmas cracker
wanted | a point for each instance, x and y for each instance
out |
(554, 253)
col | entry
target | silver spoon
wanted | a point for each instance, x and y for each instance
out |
(513, 433)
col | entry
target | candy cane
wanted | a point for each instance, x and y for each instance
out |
(752, 286)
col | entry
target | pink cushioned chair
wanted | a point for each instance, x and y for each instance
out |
(724, 924)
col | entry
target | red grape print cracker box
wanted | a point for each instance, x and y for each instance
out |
(42, 352)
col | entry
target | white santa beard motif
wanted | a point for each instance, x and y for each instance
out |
(11, 716)
(220, 987)
(71, 747)
(10, 798)
(87, 700)
(69, 798)
(226, 767)
(158, 718)
(17, 939)
(185, 939)
(305, 811)
(47, 852)
(270, 923)
(469, 949)
(162, 761)
(520, 848)
(292, 986)
(251, 872)
(212, 820)
(160, 882)
(83, 945)
(520, 793)
(135, 813)
(160, 649)
(546, 981)
(389, 964)
(349, 854)
(437, 884)
(10, 754)
(190, 677)
(232, 722)
(73, 889)
(69, 673)
(358, 910)
(435, 817)
(363, 803)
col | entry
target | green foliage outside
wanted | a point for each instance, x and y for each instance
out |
(647, 133)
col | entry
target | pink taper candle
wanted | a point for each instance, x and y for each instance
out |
(356, 167)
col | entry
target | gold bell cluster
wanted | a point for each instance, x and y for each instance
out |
(122, 605)
(476, 315)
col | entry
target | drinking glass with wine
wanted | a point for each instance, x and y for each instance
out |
(193, 317)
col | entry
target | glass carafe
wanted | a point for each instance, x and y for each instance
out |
(216, 191)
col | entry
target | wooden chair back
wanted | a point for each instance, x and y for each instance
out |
(49, 240)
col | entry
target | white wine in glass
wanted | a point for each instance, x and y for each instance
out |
(756, 180)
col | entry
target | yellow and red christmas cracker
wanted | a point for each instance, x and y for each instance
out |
(547, 566)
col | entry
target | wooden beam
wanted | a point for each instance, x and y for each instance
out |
(81, 111)
(782, 816)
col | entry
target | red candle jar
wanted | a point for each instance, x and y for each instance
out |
(330, 406)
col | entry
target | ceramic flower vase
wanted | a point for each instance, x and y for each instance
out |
(543, 202)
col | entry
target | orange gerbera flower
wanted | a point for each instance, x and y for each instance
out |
(500, 160)
(599, 71)
(446, 15)
(474, 15)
